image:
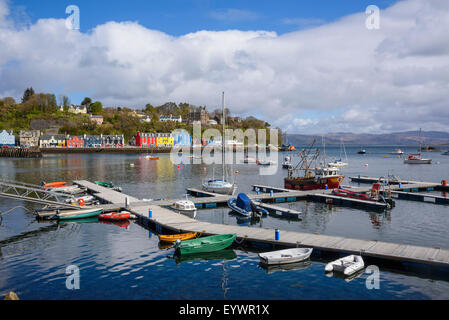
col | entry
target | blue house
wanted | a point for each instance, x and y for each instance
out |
(181, 138)
(92, 141)
(7, 138)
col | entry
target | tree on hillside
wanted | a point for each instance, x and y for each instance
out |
(29, 92)
(86, 102)
(96, 107)
(149, 108)
(8, 101)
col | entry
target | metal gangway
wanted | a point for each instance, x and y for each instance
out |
(34, 193)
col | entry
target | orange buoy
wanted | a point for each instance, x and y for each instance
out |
(444, 183)
(81, 202)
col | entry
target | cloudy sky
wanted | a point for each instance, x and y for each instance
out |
(307, 67)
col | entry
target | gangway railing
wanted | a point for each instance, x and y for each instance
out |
(35, 194)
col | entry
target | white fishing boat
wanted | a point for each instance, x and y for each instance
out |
(185, 207)
(287, 164)
(222, 186)
(347, 265)
(415, 158)
(285, 256)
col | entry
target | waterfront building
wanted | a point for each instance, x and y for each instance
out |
(92, 141)
(97, 119)
(112, 141)
(75, 142)
(29, 138)
(51, 141)
(146, 139)
(7, 138)
(165, 140)
(181, 138)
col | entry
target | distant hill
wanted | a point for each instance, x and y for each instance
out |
(409, 138)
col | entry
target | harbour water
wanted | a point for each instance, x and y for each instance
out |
(128, 263)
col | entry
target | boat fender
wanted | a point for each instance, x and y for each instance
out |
(81, 202)
(444, 183)
(388, 193)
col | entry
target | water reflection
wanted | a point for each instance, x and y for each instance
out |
(285, 267)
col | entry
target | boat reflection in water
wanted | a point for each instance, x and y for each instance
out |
(226, 254)
(79, 221)
(285, 267)
(122, 223)
(339, 275)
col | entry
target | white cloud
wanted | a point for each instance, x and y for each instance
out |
(366, 80)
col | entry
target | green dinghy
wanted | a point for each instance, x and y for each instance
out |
(206, 244)
(104, 184)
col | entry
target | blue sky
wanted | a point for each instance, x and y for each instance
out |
(178, 17)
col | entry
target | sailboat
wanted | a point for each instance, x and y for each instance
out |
(222, 186)
(415, 158)
(339, 163)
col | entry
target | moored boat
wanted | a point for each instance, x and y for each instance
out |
(173, 237)
(317, 178)
(185, 207)
(347, 265)
(285, 256)
(245, 207)
(287, 164)
(79, 214)
(324, 177)
(417, 159)
(206, 244)
(219, 186)
(445, 153)
(373, 195)
(361, 151)
(115, 216)
(109, 185)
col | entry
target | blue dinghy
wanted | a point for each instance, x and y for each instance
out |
(245, 207)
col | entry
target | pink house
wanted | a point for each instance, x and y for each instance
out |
(96, 119)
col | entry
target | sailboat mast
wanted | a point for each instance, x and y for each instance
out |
(223, 118)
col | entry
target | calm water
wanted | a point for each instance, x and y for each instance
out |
(127, 263)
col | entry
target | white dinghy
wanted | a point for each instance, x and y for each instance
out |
(347, 265)
(285, 256)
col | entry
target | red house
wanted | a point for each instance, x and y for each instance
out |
(146, 140)
(75, 142)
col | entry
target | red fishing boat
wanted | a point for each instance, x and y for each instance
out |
(115, 216)
(312, 178)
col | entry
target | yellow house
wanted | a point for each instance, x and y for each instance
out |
(165, 140)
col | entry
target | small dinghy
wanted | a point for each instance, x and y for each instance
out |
(285, 256)
(347, 265)
(78, 214)
(115, 216)
(172, 238)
